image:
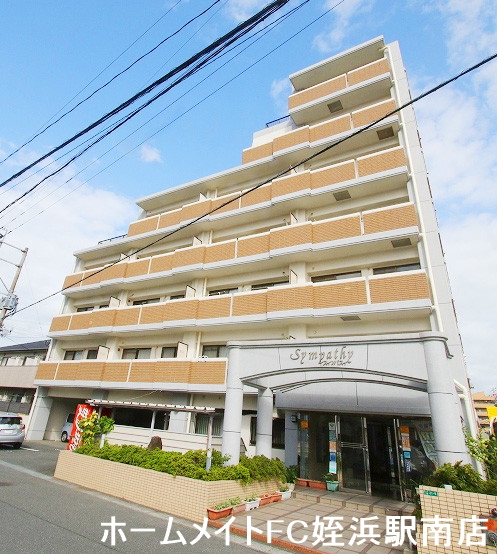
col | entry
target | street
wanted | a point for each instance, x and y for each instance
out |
(42, 514)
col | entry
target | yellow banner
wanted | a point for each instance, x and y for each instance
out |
(492, 417)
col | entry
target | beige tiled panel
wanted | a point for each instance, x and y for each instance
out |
(251, 246)
(161, 263)
(170, 218)
(249, 304)
(291, 184)
(295, 298)
(330, 128)
(383, 161)
(219, 252)
(116, 371)
(73, 280)
(60, 323)
(137, 267)
(258, 196)
(332, 175)
(46, 370)
(317, 91)
(153, 313)
(143, 226)
(209, 373)
(80, 321)
(257, 152)
(233, 203)
(217, 306)
(127, 316)
(369, 115)
(368, 72)
(186, 309)
(402, 287)
(293, 138)
(336, 229)
(290, 236)
(193, 211)
(387, 220)
(188, 256)
(340, 294)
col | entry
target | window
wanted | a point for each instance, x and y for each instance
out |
(29, 360)
(169, 352)
(6, 360)
(146, 301)
(92, 354)
(202, 424)
(395, 268)
(133, 417)
(103, 306)
(162, 421)
(73, 355)
(84, 309)
(219, 292)
(215, 351)
(136, 353)
(278, 432)
(177, 296)
(335, 276)
(262, 286)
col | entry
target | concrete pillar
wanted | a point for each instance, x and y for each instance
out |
(444, 406)
(40, 413)
(232, 423)
(178, 420)
(291, 439)
(264, 438)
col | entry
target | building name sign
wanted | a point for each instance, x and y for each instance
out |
(334, 357)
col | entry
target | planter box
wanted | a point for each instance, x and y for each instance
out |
(252, 504)
(285, 495)
(212, 513)
(238, 508)
(276, 497)
(174, 495)
(302, 482)
(266, 499)
(332, 485)
(317, 484)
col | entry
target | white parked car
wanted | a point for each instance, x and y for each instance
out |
(65, 433)
(11, 429)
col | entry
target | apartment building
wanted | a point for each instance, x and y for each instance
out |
(481, 402)
(303, 294)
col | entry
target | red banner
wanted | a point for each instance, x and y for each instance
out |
(82, 412)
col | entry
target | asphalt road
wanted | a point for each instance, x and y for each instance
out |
(41, 514)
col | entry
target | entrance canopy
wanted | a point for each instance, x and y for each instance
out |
(151, 406)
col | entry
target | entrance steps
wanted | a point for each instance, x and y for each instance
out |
(360, 503)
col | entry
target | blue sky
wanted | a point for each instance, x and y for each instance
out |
(53, 54)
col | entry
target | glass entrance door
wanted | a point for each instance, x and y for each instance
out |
(353, 450)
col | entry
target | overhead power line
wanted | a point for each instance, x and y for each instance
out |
(200, 59)
(65, 114)
(275, 176)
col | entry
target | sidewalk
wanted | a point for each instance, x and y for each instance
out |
(293, 522)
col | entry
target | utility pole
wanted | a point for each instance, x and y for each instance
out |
(8, 303)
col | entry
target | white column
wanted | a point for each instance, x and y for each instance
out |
(444, 406)
(39, 415)
(264, 438)
(232, 422)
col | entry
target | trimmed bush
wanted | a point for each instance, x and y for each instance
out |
(190, 464)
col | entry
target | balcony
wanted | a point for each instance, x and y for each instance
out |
(185, 374)
(292, 301)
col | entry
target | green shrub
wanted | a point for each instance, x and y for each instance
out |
(461, 477)
(264, 469)
(190, 464)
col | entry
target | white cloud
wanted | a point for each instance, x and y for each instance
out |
(342, 16)
(458, 132)
(150, 154)
(68, 221)
(240, 10)
(280, 90)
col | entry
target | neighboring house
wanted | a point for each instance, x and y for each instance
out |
(18, 366)
(481, 402)
(311, 306)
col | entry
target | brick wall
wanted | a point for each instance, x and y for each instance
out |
(175, 495)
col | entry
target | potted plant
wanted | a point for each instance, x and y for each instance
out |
(265, 499)
(331, 480)
(285, 492)
(218, 511)
(314, 484)
(292, 473)
(251, 502)
(237, 504)
(275, 496)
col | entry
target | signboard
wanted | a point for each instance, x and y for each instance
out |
(341, 356)
(82, 412)
(430, 493)
(492, 418)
